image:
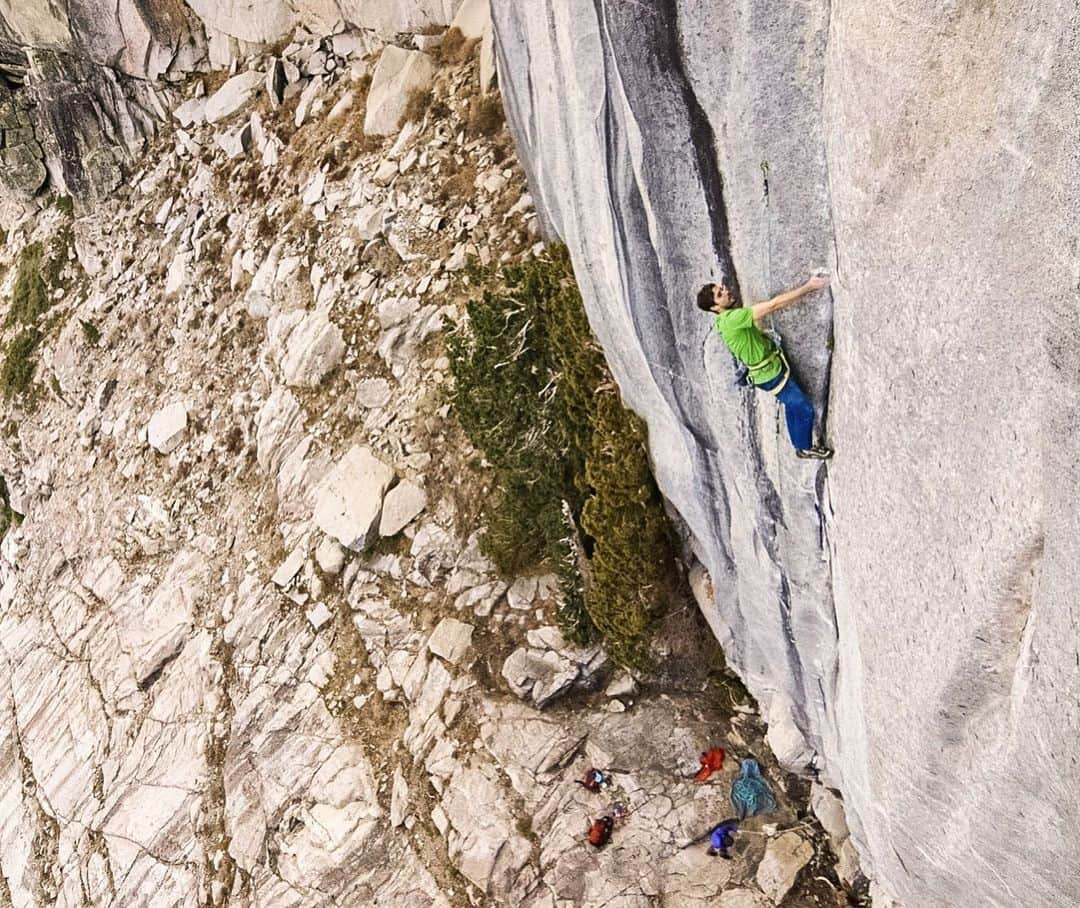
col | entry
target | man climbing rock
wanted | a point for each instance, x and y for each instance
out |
(767, 366)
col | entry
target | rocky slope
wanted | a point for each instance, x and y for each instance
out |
(251, 652)
(902, 614)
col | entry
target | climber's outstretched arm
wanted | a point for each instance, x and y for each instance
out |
(781, 300)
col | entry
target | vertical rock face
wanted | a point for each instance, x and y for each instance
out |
(902, 614)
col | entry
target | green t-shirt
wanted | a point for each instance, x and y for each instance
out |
(746, 342)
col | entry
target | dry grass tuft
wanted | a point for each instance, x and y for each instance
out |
(459, 184)
(416, 105)
(455, 48)
(486, 116)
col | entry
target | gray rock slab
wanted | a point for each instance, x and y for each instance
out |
(349, 500)
(784, 858)
(233, 95)
(396, 74)
(451, 640)
(166, 428)
(402, 505)
(820, 587)
(309, 346)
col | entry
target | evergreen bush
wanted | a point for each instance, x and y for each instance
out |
(573, 486)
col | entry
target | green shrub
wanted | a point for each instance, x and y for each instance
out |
(18, 369)
(632, 553)
(8, 516)
(29, 296)
(90, 331)
(572, 480)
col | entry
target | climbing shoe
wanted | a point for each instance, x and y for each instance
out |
(817, 452)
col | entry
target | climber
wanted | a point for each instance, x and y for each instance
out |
(711, 761)
(768, 368)
(600, 831)
(722, 837)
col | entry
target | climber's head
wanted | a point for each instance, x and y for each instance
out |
(715, 298)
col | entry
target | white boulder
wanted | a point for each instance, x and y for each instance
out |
(399, 798)
(233, 95)
(349, 500)
(451, 640)
(330, 556)
(402, 506)
(166, 428)
(473, 18)
(784, 858)
(308, 346)
(397, 73)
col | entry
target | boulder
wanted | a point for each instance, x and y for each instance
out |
(349, 500)
(373, 393)
(191, 113)
(289, 568)
(473, 18)
(390, 18)
(279, 429)
(451, 640)
(177, 274)
(330, 556)
(22, 168)
(784, 858)
(538, 676)
(235, 142)
(319, 615)
(276, 82)
(829, 810)
(521, 594)
(402, 505)
(166, 428)
(308, 346)
(233, 95)
(397, 73)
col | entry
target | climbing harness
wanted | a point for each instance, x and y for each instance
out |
(757, 368)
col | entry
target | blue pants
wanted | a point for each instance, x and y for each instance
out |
(798, 411)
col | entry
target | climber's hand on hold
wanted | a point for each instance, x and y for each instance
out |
(816, 281)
